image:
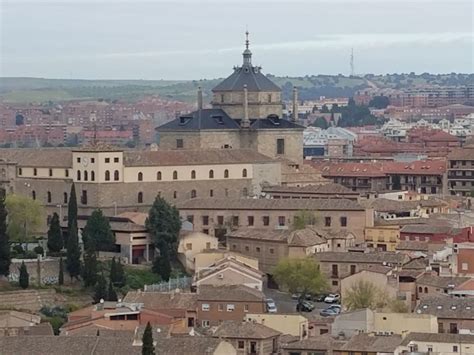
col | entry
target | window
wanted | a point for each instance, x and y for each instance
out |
(208, 245)
(220, 307)
(20, 171)
(334, 271)
(280, 146)
(205, 324)
(140, 197)
(426, 289)
(107, 175)
(244, 173)
(65, 197)
(116, 175)
(175, 175)
(189, 246)
(343, 221)
(226, 173)
(272, 251)
(92, 176)
(246, 307)
(193, 174)
(190, 218)
(158, 175)
(250, 220)
(281, 220)
(211, 193)
(175, 194)
(269, 97)
(230, 308)
(49, 196)
(35, 171)
(205, 220)
(193, 193)
(420, 289)
(93, 160)
(50, 172)
(430, 348)
(33, 195)
(211, 174)
(266, 220)
(247, 248)
(353, 269)
(140, 176)
(86, 175)
(257, 249)
(335, 283)
(84, 197)
(453, 328)
(222, 97)
(464, 266)
(205, 307)
(235, 220)
(241, 344)
(78, 160)
(179, 143)
(107, 160)
(455, 348)
(78, 175)
(220, 220)
(327, 221)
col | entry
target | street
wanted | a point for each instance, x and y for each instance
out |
(285, 304)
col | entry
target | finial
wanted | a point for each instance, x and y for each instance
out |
(247, 39)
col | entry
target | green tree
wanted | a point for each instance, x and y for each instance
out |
(164, 224)
(90, 267)
(73, 260)
(303, 219)
(5, 256)
(363, 294)
(98, 231)
(321, 123)
(24, 278)
(117, 273)
(100, 289)
(299, 275)
(24, 217)
(71, 211)
(111, 294)
(55, 238)
(147, 341)
(379, 102)
(61, 272)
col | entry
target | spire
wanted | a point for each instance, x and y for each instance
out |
(247, 54)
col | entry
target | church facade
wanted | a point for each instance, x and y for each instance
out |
(246, 113)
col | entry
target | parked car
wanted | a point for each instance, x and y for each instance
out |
(304, 306)
(271, 306)
(332, 298)
(319, 298)
(329, 312)
(336, 307)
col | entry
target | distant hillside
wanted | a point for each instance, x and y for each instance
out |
(23, 90)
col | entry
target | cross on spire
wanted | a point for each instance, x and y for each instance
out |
(247, 39)
(247, 53)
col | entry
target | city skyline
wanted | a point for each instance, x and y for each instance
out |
(121, 40)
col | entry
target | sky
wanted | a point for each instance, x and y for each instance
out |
(204, 39)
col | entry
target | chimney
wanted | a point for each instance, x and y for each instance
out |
(294, 116)
(199, 98)
(245, 121)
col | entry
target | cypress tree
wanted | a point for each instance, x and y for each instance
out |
(120, 280)
(24, 276)
(147, 341)
(89, 271)
(111, 294)
(55, 239)
(61, 272)
(98, 229)
(100, 289)
(71, 212)
(113, 271)
(73, 261)
(5, 258)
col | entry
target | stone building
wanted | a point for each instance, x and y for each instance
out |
(246, 113)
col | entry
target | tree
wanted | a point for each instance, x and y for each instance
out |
(24, 217)
(321, 123)
(363, 294)
(117, 273)
(304, 218)
(164, 224)
(111, 294)
(147, 341)
(71, 211)
(100, 289)
(5, 256)
(379, 102)
(55, 238)
(90, 267)
(299, 275)
(24, 278)
(73, 261)
(61, 272)
(98, 231)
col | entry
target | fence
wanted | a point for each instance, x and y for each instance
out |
(180, 283)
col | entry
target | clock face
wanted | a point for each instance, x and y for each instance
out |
(85, 161)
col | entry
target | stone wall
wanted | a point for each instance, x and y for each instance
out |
(48, 271)
(267, 144)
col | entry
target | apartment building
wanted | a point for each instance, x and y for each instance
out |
(461, 171)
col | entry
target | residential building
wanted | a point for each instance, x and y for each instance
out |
(348, 324)
(212, 256)
(435, 233)
(382, 238)
(429, 284)
(370, 344)
(429, 343)
(192, 243)
(292, 324)
(463, 259)
(461, 171)
(329, 190)
(331, 142)
(249, 337)
(216, 304)
(319, 344)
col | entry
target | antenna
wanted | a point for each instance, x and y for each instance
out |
(352, 62)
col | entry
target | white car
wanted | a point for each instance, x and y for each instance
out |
(271, 306)
(332, 298)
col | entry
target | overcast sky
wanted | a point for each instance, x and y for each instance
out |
(193, 39)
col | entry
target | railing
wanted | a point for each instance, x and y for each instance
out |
(173, 284)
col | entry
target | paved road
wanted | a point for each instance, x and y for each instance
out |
(285, 304)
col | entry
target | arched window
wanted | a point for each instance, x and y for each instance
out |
(49, 196)
(116, 175)
(92, 176)
(158, 175)
(107, 175)
(175, 194)
(175, 175)
(140, 197)
(420, 289)
(65, 197)
(86, 175)
(193, 174)
(426, 289)
(78, 175)
(245, 192)
(140, 176)
(193, 193)
(211, 174)
(33, 195)
(226, 173)
(244, 173)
